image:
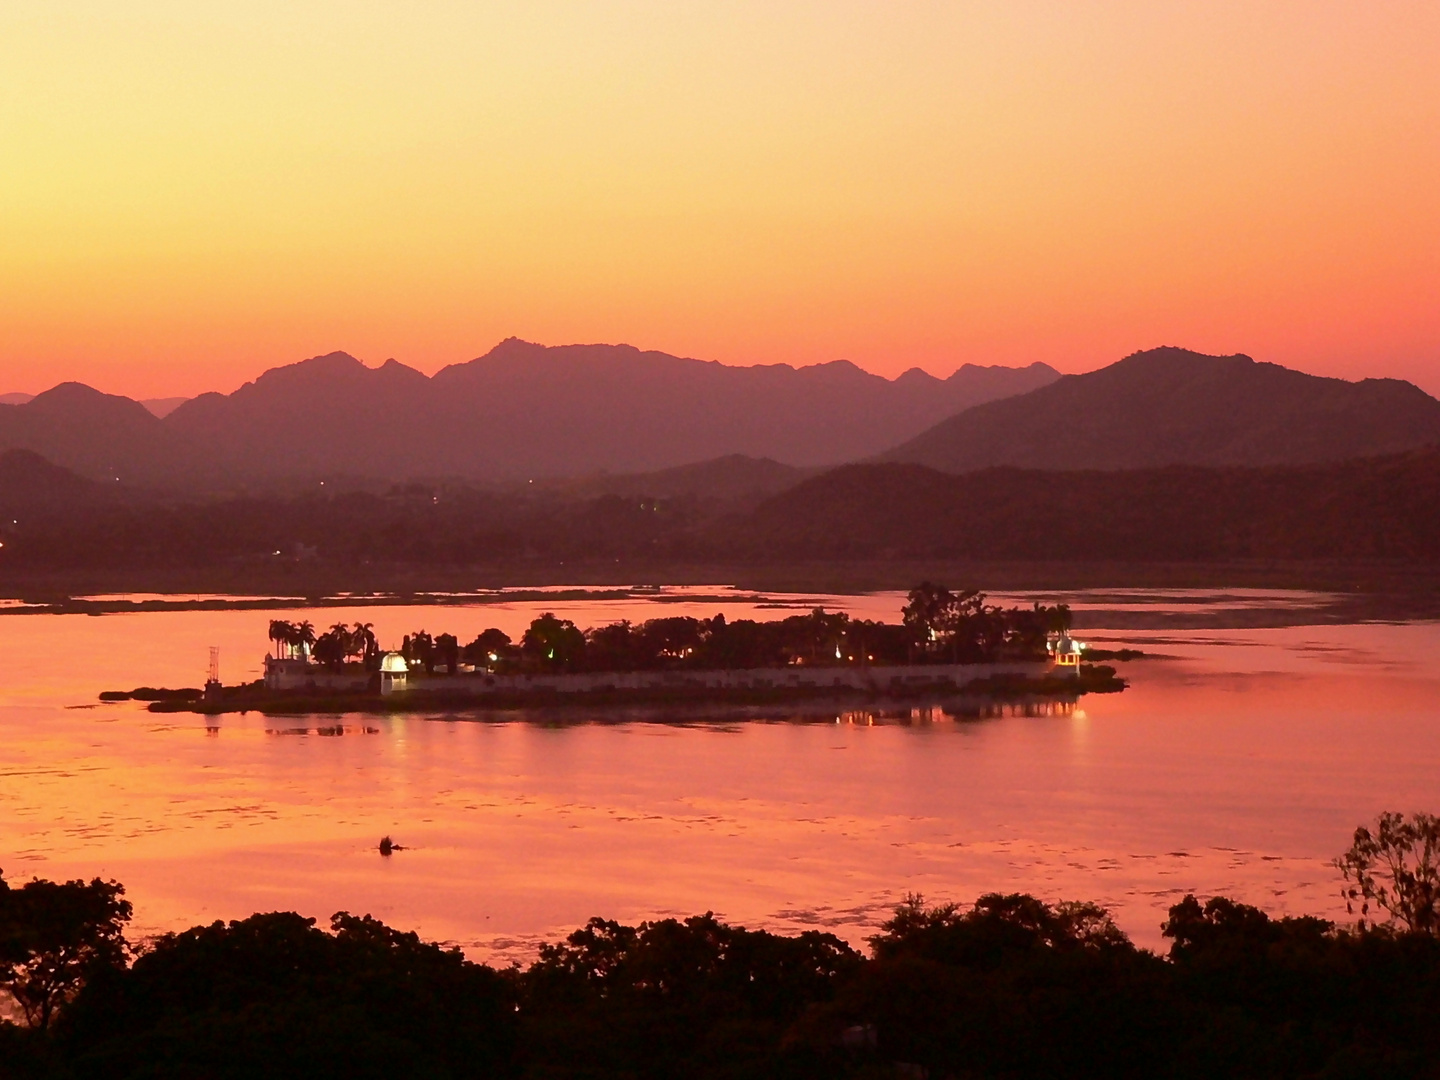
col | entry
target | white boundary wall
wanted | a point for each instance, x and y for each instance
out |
(797, 677)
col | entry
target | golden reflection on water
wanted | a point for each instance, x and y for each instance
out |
(1239, 766)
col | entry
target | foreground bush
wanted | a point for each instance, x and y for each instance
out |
(1008, 988)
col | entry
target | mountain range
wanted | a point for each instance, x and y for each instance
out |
(611, 418)
(1172, 406)
(519, 412)
(160, 406)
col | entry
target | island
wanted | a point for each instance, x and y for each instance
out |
(947, 645)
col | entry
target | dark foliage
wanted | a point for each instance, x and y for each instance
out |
(274, 996)
(1396, 866)
(938, 626)
(54, 936)
(696, 998)
(1292, 997)
(1011, 988)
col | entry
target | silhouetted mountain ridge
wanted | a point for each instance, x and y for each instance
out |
(555, 410)
(521, 411)
(530, 412)
(101, 436)
(1172, 406)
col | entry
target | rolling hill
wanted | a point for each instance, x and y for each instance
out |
(1172, 406)
(100, 436)
(26, 477)
(1340, 514)
(1374, 508)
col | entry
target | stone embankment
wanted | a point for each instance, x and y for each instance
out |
(996, 681)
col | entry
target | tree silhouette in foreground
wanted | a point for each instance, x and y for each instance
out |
(1011, 987)
(1397, 867)
(54, 936)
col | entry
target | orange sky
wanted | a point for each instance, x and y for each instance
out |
(192, 191)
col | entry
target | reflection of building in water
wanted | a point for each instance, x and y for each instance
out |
(954, 711)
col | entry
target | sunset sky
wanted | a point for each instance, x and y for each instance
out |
(193, 190)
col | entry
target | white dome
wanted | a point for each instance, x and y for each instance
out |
(394, 663)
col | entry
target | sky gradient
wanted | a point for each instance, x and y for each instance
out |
(192, 191)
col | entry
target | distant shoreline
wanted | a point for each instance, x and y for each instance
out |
(1364, 590)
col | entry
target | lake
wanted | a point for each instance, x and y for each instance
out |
(1239, 763)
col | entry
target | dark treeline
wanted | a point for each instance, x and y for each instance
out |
(1382, 508)
(937, 626)
(1010, 987)
(409, 525)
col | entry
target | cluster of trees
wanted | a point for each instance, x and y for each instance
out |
(332, 648)
(962, 627)
(441, 651)
(1010, 987)
(292, 639)
(937, 626)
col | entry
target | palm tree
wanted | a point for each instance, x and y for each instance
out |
(369, 647)
(304, 638)
(281, 633)
(344, 639)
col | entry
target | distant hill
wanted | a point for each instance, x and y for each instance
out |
(157, 406)
(1383, 508)
(524, 411)
(1171, 406)
(1346, 512)
(163, 406)
(100, 436)
(28, 481)
(734, 477)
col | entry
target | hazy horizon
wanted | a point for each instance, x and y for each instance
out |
(168, 397)
(430, 370)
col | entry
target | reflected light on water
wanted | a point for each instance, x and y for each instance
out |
(1238, 765)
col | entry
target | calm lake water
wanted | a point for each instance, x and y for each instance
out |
(1238, 764)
